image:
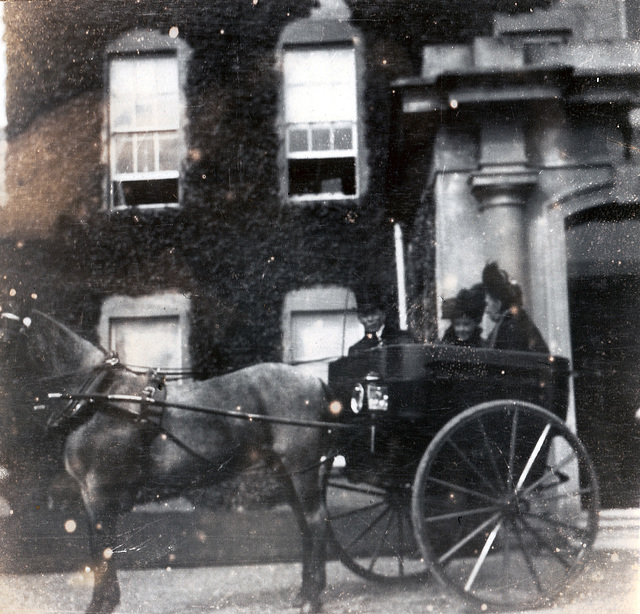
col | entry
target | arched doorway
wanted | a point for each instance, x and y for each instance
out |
(603, 265)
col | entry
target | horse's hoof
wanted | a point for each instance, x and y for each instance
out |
(102, 606)
(311, 607)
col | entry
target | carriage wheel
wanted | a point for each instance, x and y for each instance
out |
(497, 508)
(370, 528)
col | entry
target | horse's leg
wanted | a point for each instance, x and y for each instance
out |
(304, 495)
(106, 590)
(102, 504)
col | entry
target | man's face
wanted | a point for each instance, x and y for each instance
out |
(464, 328)
(372, 320)
(493, 307)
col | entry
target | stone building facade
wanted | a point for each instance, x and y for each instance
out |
(202, 186)
(534, 136)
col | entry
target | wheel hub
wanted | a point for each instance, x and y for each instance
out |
(515, 505)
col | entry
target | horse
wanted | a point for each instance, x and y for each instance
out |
(31, 458)
(120, 451)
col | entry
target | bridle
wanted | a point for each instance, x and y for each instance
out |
(7, 315)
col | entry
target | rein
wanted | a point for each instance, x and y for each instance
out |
(149, 401)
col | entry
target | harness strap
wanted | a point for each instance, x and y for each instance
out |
(205, 410)
(77, 406)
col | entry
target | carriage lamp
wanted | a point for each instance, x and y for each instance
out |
(377, 397)
(357, 398)
(377, 394)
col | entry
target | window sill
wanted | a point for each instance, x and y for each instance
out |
(156, 206)
(316, 198)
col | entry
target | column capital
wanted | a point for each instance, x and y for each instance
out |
(503, 186)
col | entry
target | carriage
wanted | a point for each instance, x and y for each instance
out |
(460, 463)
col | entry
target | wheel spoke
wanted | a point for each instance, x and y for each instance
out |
(483, 555)
(359, 510)
(534, 456)
(465, 540)
(401, 543)
(368, 490)
(527, 558)
(565, 495)
(555, 523)
(369, 527)
(490, 453)
(550, 471)
(512, 451)
(472, 466)
(462, 514)
(546, 543)
(376, 553)
(461, 489)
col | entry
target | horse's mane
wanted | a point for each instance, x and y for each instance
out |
(57, 350)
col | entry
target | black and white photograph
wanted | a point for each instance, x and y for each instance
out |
(320, 306)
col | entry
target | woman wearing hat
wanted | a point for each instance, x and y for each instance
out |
(465, 312)
(514, 329)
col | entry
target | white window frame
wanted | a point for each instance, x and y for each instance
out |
(163, 305)
(321, 300)
(137, 48)
(304, 115)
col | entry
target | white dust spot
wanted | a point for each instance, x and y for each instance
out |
(70, 526)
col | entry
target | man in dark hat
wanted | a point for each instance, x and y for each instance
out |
(465, 312)
(372, 315)
(513, 329)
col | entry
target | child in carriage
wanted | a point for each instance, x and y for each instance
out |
(465, 312)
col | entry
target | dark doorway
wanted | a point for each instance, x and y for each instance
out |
(604, 304)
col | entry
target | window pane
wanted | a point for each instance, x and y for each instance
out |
(145, 156)
(169, 151)
(298, 140)
(320, 85)
(336, 176)
(323, 334)
(136, 193)
(144, 93)
(121, 116)
(342, 138)
(122, 146)
(321, 139)
(147, 342)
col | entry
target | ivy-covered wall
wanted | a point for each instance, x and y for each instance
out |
(233, 245)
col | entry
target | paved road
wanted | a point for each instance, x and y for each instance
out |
(208, 554)
(610, 584)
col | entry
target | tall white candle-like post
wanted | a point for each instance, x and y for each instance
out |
(402, 289)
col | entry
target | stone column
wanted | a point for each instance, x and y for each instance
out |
(502, 192)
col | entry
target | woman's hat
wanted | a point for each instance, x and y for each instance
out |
(468, 303)
(496, 283)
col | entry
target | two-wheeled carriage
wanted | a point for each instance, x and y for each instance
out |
(462, 465)
(450, 460)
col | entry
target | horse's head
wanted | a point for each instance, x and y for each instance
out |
(38, 355)
(57, 351)
(13, 324)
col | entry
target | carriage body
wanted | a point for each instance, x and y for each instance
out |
(458, 462)
(417, 389)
